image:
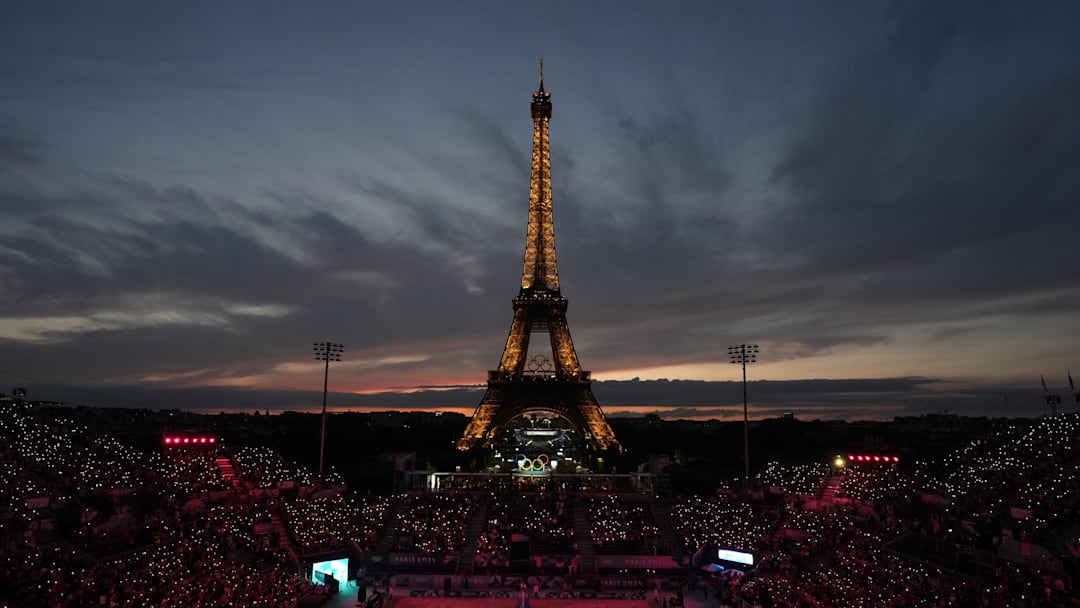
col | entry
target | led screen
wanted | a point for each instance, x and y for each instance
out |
(337, 568)
(735, 556)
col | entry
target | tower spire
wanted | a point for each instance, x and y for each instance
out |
(541, 271)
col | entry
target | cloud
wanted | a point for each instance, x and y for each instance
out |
(149, 310)
(879, 399)
(186, 259)
(896, 181)
(15, 152)
(921, 192)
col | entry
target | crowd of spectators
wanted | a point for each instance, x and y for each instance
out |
(433, 523)
(723, 522)
(86, 520)
(794, 479)
(1033, 471)
(190, 572)
(852, 548)
(622, 527)
(543, 514)
(248, 526)
(545, 517)
(263, 467)
(335, 522)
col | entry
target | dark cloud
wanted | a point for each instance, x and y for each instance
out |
(15, 152)
(175, 261)
(889, 183)
(878, 399)
(212, 191)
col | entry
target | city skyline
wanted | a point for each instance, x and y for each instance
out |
(881, 196)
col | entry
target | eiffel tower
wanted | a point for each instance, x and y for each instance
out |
(524, 384)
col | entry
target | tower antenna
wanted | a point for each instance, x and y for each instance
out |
(541, 71)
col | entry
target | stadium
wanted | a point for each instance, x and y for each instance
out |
(91, 520)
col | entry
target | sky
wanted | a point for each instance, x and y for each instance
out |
(881, 195)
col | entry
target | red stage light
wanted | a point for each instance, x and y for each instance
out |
(186, 440)
(202, 439)
(212, 440)
(168, 440)
(877, 459)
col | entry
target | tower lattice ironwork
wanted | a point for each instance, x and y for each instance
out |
(524, 384)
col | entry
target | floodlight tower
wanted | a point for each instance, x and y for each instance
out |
(741, 355)
(326, 351)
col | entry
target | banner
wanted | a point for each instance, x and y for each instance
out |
(413, 562)
(641, 562)
(629, 584)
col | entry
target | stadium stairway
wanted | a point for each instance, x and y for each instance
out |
(583, 538)
(390, 528)
(473, 529)
(282, 533)
(662, 516)
(831, 487)
(228, 470)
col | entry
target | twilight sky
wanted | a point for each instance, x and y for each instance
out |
(882, 195)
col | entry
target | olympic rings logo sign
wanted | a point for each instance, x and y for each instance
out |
(534, 464)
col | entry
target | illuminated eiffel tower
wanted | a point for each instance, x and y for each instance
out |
(523, 384)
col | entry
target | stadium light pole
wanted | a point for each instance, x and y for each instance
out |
(741, 355)
(326, 351)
